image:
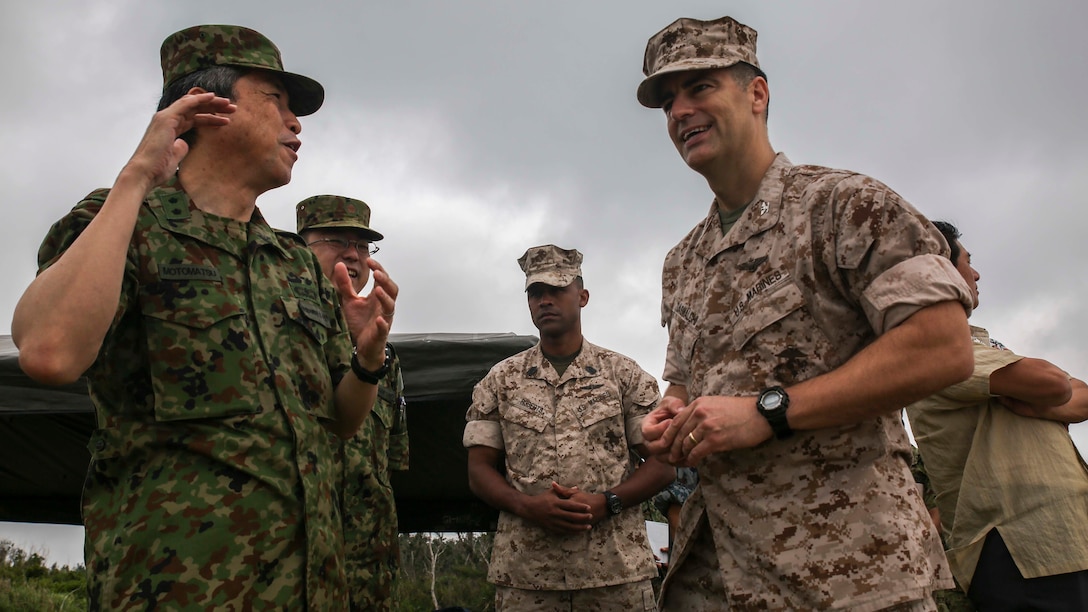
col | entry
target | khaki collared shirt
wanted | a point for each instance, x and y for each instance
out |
(992, 468)
(821, 263)
(577, 430)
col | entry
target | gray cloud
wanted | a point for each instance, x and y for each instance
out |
(476, 129)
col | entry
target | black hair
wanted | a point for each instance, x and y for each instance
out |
(952, 236)
(743, 74)
(218, 79)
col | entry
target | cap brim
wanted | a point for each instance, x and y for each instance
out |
(648, 94)
(547, 278)
(370, 234)
(305, 94)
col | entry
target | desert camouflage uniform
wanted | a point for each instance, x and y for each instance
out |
(212, 481)
(370, 513)
(821, 263)
(577, 430)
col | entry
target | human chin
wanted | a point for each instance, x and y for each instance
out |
(697, 158)
(282, 177)
(544, 322)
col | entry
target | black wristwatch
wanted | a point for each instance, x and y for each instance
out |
(366, 375)
(772, 404)
(613, 503)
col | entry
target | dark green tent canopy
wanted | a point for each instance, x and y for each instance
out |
(44, 432)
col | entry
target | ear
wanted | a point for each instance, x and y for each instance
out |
(583, 297)
(196, 90)
(761, 95)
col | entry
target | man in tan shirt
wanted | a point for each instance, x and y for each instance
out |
(1011, 488)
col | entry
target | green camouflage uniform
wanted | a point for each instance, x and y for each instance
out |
(370, 514)
(212, 480)
(368, 508)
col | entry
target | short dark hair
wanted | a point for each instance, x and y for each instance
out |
(952, 236)
(743, 74)
(218, 79)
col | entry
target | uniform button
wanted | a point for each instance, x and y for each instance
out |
(100, 445)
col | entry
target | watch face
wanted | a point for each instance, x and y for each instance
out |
(771, 400)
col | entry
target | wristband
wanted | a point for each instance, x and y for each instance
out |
(366, 375)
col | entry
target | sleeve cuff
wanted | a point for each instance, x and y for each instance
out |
(911, 285)
(483, 433)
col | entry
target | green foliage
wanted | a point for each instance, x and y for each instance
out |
(26, 584)
(460, 562)
(459, 577)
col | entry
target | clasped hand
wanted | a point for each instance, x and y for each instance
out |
(683, 435)
(565, 510)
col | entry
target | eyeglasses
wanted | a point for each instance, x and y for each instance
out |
(342, 245)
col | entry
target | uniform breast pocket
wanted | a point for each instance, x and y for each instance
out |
(525, 416)
(300, 345)
(203, 361)
(767, 311)
(310, 317)
(385, 407)
(682, 338)
(603, 405)
(603, 436)
(522, 426)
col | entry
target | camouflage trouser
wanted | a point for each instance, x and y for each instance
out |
(953, 600)
(700, 587)
(630, 597)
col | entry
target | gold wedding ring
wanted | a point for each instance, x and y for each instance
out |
(691, 436)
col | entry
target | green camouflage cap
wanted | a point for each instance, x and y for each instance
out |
(204, 46)
(550, 265)
(331, 211)
(692, 44)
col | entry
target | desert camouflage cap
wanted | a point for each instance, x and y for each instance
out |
(550, 265)
(204, 46)
(332, 211)
(692, 44)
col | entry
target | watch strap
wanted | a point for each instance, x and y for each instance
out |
(366, 375)
(613, 503)
(776, 417)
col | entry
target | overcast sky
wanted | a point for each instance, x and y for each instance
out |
(478, 129)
